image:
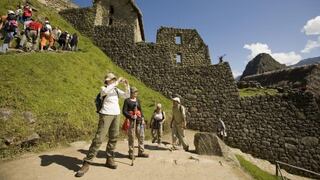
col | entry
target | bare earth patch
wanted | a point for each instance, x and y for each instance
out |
(163, 164)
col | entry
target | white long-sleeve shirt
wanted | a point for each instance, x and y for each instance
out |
(111, 101)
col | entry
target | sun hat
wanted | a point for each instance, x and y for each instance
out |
(133, 89)
(110, 76)
(176, 99)
(159, 105)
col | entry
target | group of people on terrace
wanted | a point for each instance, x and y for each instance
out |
(20, 29)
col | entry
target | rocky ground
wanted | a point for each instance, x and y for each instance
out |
(162, 164)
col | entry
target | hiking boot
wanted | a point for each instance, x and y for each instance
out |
(83, 169)
(143, 155)
(110, 163)
(186, 148)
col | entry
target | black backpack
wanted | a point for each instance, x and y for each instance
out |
(99, 101)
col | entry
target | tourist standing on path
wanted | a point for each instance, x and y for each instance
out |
(221, 129)
(132, 110)
(156, 124)
(178, 124)
(108, 122)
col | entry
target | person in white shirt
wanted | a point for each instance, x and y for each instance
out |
(108, 122)
(156, 124)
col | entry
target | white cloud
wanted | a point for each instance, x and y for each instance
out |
(236, 73)
(257, 48)
(311, 45)
(289, 58)
(283, 58)
(312, 27)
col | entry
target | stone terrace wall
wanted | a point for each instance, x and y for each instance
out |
(283, 127)
(297, 77)
(82, 19)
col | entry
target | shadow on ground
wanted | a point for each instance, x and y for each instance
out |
(70, 163)
(155, 147)
(103, 154)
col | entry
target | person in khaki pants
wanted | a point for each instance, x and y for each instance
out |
(132, 110)
(108, 122)
(178, 124)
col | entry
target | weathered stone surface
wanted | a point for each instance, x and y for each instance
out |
(30, 140)
(301, 78)
(5, 114)
(9, 140)
(28, 116)
(210, 144)
(310, 141)
(207, 144)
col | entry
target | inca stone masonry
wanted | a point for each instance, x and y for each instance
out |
(283, 127)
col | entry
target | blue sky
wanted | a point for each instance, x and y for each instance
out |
(287, 29)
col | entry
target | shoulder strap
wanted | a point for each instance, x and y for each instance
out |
(116, 89)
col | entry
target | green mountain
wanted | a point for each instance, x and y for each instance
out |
(57, 90)
(314, 60)
(260, 64)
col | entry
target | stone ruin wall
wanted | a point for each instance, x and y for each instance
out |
(283, 127)
(296, 77)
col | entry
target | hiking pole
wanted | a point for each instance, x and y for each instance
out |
(134, 135)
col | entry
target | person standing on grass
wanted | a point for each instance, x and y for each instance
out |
(108, 125)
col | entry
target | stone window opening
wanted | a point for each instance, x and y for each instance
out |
(178, 39)
(110, 21)
(178, 58)
(111, 10)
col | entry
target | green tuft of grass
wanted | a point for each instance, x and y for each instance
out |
(59, 89)
(254, 170)
(247, 92)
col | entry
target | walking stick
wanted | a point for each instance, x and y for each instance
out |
(134, 135)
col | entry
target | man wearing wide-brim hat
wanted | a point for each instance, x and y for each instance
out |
(109, 115)
(178, 124)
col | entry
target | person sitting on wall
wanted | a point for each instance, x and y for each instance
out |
(27, 12)
(46, 35)
(74, 42)
(63, 39)
(10, 29)
(221, 129)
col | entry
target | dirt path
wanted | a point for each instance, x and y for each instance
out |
(61, 164)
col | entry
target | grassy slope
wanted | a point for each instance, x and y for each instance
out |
(254, 170)
(58, 88)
